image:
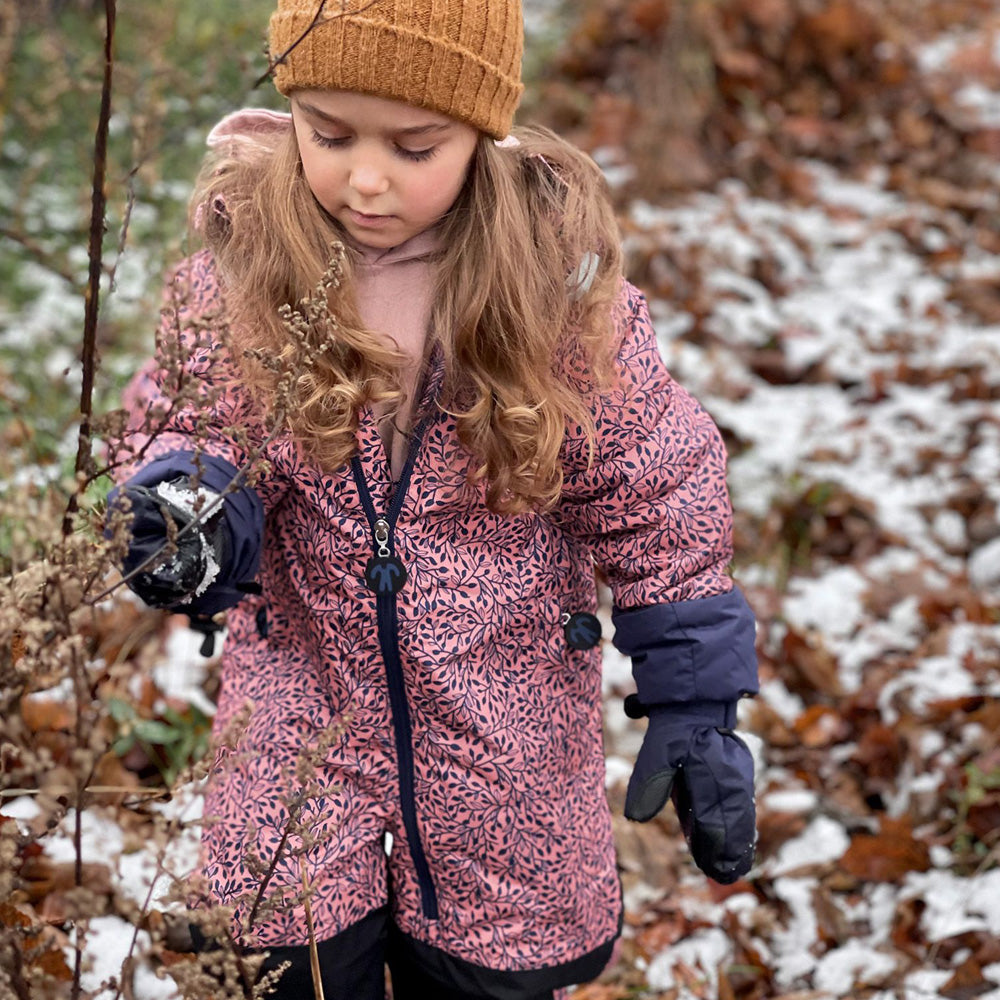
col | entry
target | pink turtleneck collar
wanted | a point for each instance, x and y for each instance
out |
(420, 247)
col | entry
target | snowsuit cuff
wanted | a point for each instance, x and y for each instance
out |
(698, 650)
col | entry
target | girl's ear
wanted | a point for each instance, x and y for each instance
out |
(212, 216)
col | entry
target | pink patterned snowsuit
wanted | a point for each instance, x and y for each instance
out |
(472, 729)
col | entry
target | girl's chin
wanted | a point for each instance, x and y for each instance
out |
(380, 236)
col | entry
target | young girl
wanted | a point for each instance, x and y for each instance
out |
(472, 413)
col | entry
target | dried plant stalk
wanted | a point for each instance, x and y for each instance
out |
(313, 950)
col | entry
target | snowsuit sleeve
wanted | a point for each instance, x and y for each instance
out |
(186, 417)
(653, 508)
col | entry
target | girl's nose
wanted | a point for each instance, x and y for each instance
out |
(368, 180)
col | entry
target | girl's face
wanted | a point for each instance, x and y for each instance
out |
(384, 170)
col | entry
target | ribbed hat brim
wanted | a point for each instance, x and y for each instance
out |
(394, 61)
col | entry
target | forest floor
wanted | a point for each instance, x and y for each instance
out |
(847, 340)
(844, 331)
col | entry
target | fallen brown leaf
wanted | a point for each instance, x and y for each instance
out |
(879, 753)
(983, 816)
(42, 951)
(17, 648)
(907, 934)
(820, 726)
(41, 876)
(667, 930)
(811, 667)
(769, 725)
(967, 982)
(647, 852)
(776, 828)
(888, 855)
(43, 712)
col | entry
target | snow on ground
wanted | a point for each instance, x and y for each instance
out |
(856, 299)
(874, 361)
(143, 874)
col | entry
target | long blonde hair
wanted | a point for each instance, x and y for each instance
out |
(524, 342)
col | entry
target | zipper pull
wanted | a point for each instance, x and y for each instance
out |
(384, 573)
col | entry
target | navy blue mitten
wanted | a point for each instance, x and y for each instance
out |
(215, 561)
(691, 755)
(199, 551)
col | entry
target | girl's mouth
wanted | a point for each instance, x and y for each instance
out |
(369, 221)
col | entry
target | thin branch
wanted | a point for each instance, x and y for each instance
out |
(123, 231)
(42, 256)
(98, 206)
(10, 793)
(78, 882)
(317, 17)
(272, 63)
(84, 459)
(16, 974)
(125, 981)
(317, 976)
(135, 457)
(268, 875)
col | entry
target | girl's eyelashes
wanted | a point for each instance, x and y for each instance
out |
(326, 141)
(331, 142)
(416, 154)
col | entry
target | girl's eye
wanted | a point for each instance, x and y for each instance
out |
(337, 142)
(328, 142)
(416, 154)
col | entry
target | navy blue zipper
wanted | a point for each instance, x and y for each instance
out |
(388, 637)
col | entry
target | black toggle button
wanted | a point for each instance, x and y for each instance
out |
(634, 708)
(582, 630)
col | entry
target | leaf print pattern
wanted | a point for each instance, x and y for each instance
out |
(506, 717)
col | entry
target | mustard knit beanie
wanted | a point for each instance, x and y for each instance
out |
(461, 58)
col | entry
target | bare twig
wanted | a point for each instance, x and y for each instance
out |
(273, 866)
(15, 973)
(125, 980)
(95, 249)
(88, 356)
(156, 793)
(135, 458)
(295, 804)
(42, 256)
(317, 17)
(313, 950)
(126, 222)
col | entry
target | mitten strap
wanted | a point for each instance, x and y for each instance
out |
(717, 714)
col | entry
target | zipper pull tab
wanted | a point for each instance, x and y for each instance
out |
(382, 529)
(384, 573)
